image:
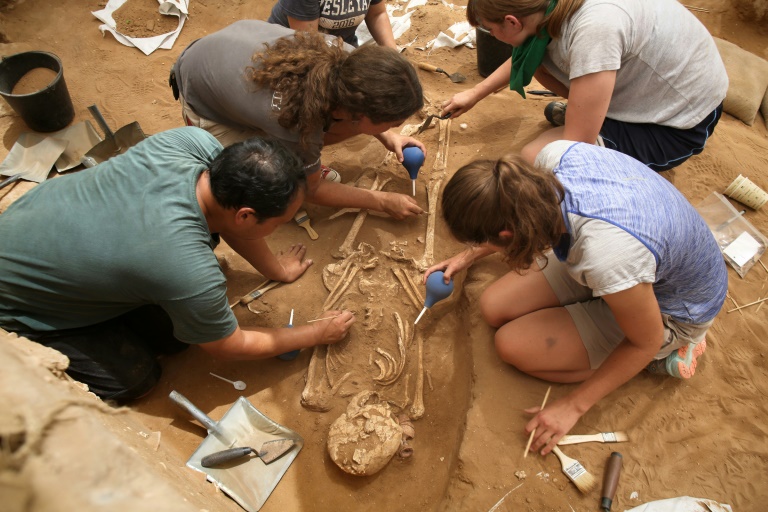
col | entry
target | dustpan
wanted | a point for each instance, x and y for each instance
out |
(114, 143)
(248, 482)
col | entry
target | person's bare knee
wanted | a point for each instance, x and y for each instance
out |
(506, 348)
(489, 308)
(530, 151)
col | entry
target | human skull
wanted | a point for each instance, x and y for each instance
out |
(363, 440)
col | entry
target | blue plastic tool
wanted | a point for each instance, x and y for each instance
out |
(413, 159)
(289, 356)
(437, 290)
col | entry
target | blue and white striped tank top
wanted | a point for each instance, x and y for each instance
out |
(691, 277)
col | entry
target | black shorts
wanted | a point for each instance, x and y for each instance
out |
(117, 359)
(659, 147)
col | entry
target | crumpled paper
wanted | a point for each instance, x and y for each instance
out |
(147, 45)
(463, 34)
(400, 25)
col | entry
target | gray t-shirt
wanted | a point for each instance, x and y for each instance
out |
(82, 249)
(669, 71)
(335, 17)
(211, 75)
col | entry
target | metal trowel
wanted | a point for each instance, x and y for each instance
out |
(269, 452)
(456, 78)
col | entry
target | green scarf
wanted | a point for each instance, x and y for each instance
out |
(527, 57)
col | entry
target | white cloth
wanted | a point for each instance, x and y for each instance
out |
(683, 504)
(147, 45)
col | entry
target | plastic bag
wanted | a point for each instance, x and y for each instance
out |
(740, 242)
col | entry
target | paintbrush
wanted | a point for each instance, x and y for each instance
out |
(576, 473)
(302, 219)
(604, 437)
(255, 294)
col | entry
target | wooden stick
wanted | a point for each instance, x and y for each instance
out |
(530, 438)
(763, 265)
(746, 305)
(694, 8)
(324, 318)
(727, 294)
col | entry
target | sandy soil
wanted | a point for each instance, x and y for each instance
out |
(702, 438)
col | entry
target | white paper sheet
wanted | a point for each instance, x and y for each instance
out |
(742, 249)
(147, 45)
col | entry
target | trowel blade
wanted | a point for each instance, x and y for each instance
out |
(270, 451)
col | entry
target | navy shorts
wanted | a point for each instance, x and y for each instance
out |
(659, 147)
(117, 359)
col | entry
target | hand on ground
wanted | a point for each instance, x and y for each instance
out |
(293, 262)
(400, 206)
(335, 329)
(551, 424)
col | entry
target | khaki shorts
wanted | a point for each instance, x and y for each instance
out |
(598, 329)
(226, 135)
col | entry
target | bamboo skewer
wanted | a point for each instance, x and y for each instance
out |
(763, 265)
(694, 8)
(747, 305)
(530, 438)
(324, 318)
(734, 303)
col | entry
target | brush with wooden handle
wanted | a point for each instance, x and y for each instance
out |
(302, 219)
(604, 437)
(258, 292)
(576, 473)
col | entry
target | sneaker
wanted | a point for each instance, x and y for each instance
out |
(326, 173)
(555, 113)
(680, 363)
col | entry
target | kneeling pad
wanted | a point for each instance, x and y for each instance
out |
(748, 82)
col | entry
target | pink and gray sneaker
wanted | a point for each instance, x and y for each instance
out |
(681, 363)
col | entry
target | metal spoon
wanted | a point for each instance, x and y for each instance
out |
(239, 385)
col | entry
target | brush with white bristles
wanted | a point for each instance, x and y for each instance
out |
(576, 473)
(603, 437)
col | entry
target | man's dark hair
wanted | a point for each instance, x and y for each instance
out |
(257, 173)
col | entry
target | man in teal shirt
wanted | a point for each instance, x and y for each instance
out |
(114, 265)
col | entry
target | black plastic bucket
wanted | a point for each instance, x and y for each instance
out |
(491, 53)
(46, 110)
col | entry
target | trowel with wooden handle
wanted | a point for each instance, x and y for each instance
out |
(269, 452)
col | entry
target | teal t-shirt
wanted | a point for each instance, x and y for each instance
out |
(82, 249)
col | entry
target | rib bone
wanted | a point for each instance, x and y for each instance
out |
(397, 368)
